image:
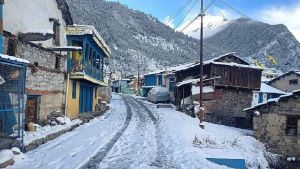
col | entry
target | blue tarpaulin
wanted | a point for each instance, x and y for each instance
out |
(7, 115)
(232, 163)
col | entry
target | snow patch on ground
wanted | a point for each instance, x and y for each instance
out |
(6, 155)
(215, 141)
(42, 132)
(73, 149)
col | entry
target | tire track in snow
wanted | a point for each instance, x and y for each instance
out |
(161, 161)
(137, 146)
(94, 161)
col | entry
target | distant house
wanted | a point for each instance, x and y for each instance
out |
(271, 73)
(277, 124)
(232, 80)
(151, 80)
(287, 82)
(86, 69)
(119, 85)
(165, 78)
(265, 93)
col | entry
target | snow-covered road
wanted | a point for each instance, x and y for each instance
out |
(135, 134)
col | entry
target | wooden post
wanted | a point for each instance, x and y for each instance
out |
(201, 117)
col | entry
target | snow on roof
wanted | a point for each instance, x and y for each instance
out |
(195, 81)
(206, 89)
(285, 74)
(264, 88)
(66, 48)
(188, 81)
(13, 58)
(43, 32)
(264, 79)
(232, 64)
(211, 61)
(171, 70)
(88, 29)
(273, 100)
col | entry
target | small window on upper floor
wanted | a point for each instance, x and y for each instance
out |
(291, 126)
(11, 47)
(293, 82)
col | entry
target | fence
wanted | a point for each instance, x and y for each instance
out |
(12, 88)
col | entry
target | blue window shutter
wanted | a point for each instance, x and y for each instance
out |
(74, 89)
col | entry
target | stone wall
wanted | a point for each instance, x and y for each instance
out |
(270, 127)
(43, 77)
(228, 109)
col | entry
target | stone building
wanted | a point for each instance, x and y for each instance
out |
(34, 38)
(45, 78)
(232, 81)
(277, 124)
(287, 82)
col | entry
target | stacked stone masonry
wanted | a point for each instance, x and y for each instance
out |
(44, 77)
(270, 127)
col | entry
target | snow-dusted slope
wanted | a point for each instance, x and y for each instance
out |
(129, 32)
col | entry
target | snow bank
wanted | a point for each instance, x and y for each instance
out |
(215, 141)
(42, 132)
(13, 58)
(5, 155)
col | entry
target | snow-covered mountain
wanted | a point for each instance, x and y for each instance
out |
(212, 25)
(135, 37)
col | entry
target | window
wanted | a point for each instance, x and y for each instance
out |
(291, 126)
(74, 89)
(12, 47)
(293, 82)
(57, 62)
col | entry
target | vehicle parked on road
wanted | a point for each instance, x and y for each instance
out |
(159, 94)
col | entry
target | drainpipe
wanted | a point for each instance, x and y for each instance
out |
(1, 25)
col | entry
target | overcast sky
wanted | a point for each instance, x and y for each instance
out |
(271, 11)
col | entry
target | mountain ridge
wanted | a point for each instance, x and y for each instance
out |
(137, 38)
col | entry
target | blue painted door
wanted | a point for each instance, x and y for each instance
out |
(86, 97)
(260, 98)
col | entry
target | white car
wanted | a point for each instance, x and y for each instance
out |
(159, 94)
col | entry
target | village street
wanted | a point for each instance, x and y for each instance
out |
(135, 134)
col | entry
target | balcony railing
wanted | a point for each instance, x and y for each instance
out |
(93, 70)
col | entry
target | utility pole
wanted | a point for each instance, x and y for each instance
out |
(201, 106)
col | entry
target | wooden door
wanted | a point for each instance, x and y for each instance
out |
(31, 109)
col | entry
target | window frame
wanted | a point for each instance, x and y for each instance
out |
(74, 87)
(292, 123)
(293, 82)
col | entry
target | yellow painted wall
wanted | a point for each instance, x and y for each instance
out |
(95, 100)
(73, 104)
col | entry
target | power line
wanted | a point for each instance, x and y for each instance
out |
(220, 11)
(209, 5)
(192, 21)
(178, 12)
(186, 14)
